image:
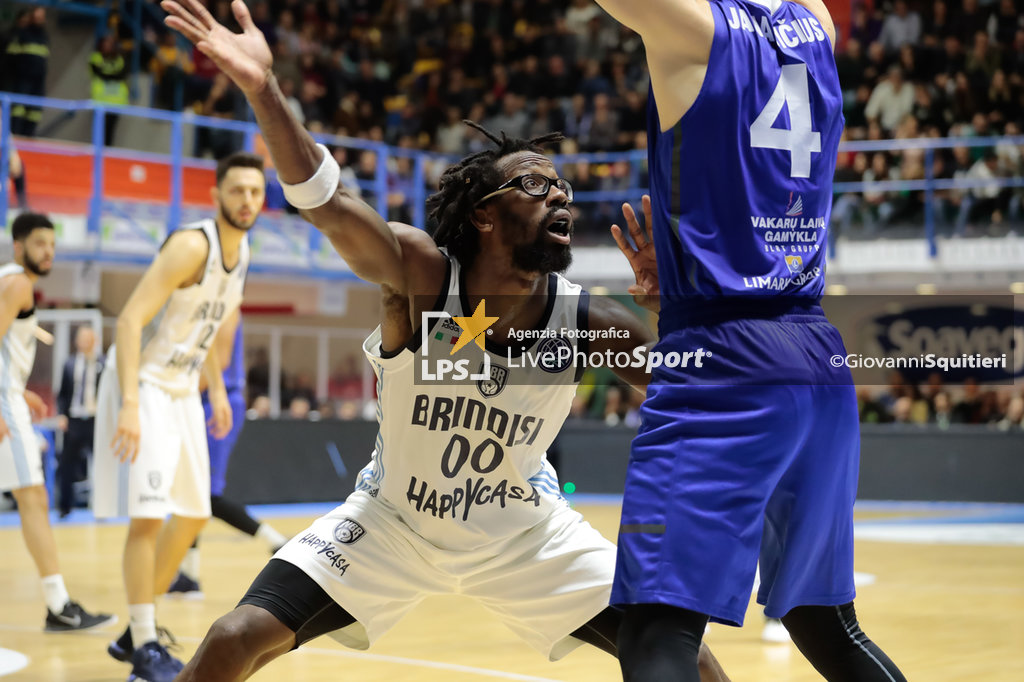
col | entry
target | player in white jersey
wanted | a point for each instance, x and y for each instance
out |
(459, 497)
(21, 465)
(151, 456)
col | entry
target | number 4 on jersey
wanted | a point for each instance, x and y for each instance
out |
(799, 140)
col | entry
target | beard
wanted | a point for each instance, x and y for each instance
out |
(35, 268)
(236, 223)
(541, 255)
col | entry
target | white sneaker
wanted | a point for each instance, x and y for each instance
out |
(774, 632)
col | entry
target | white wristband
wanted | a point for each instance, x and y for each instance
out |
(319, 189)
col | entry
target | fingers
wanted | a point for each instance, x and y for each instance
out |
(219, 424)
(185, 28)
(125, 446)
(648, 216)
(639, 238)
(180, 14)
(224, 423)
(620, 239)
(200, 12)
(243, 16)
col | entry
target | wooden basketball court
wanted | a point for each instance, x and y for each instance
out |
(944, 612)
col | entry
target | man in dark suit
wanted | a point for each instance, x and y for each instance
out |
(76, 405)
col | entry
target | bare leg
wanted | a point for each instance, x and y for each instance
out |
(140, 559)
(33, 505)
(710, 669)
(175, 538)
(237, 645)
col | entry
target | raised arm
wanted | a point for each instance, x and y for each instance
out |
(676, 28)
(677, 37)
(358, 233)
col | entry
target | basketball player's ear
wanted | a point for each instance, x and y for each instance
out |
(482, 219)
(215, 195)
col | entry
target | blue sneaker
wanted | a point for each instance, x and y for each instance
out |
(122, 648)
(184, 587)
(152, 663)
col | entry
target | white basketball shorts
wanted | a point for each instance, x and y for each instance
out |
(543, 583)
(171, 474)
(21, 462)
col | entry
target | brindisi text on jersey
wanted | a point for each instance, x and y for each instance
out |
(470, 457)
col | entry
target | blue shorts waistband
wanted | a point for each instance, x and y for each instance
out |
(682, 313)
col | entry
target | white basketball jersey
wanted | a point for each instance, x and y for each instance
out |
(176, 342)
(464, 464)
(18, 350)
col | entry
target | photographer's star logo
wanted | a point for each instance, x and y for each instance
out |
(473, 328)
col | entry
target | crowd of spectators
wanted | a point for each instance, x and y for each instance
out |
(937, 68)
(408, 72)
(905, 402)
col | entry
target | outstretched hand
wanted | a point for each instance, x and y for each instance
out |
(244, 57)
(640, 254)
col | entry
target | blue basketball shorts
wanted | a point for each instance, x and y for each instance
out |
(220, 449)
(752, 457)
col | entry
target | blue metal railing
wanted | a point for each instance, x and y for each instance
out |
(378, 184)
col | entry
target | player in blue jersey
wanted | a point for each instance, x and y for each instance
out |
(752, 456)
(229, 345)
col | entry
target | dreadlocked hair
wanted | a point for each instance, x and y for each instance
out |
(464, 183)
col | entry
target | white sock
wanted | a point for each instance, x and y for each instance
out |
(190, 566)
(54, 592)
(270, 536)
(142, 622)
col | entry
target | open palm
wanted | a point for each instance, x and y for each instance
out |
(640, 254)
(244, 57)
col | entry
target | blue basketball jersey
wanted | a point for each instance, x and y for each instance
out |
(742, 184)
(234, 375)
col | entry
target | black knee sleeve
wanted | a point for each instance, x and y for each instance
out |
(296, 600)
(659, 642)
(233, 514)
(831, 639)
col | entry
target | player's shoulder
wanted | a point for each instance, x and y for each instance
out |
(189, 240)
(15, 284)
(425, 264)
(183, 253)
(413, 237)
(820, 12)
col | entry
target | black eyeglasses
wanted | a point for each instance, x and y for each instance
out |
(534, 184)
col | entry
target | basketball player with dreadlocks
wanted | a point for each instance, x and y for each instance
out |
(458, 496)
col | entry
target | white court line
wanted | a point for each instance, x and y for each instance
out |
(381, 658)
(11, 661)
(992, 534)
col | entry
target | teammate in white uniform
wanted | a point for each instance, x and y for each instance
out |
(21, 465)
(458, 497)
(151, 456)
